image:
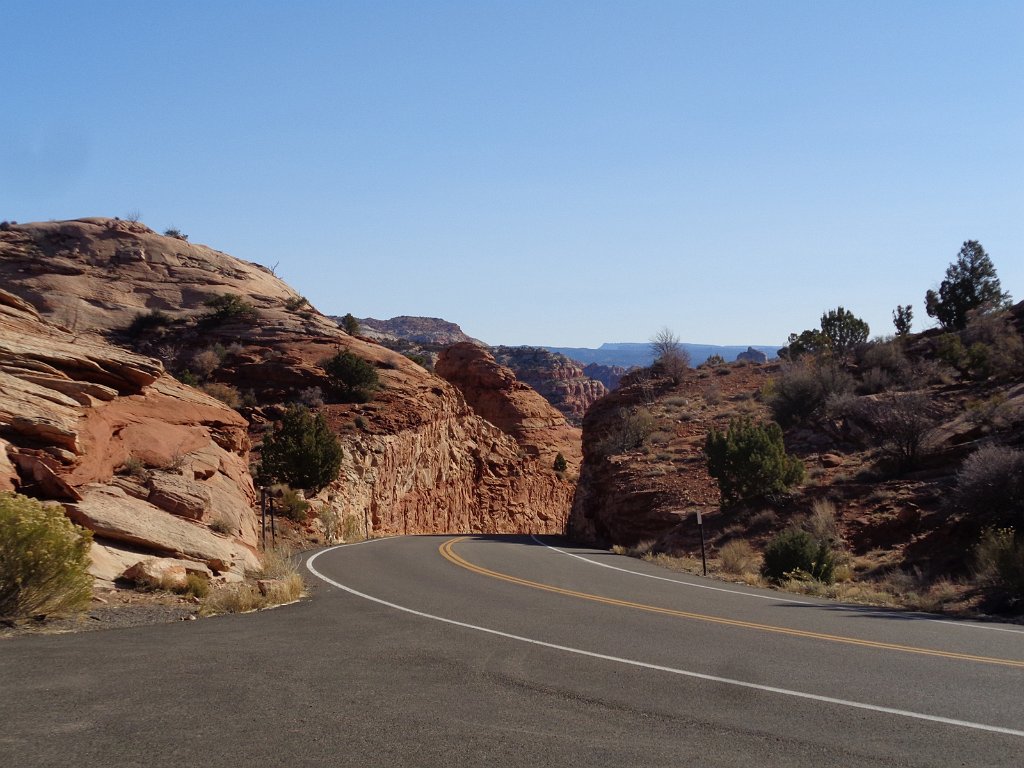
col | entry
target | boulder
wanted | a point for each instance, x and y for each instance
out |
(753, 356)
(113, 514)
(164, 572)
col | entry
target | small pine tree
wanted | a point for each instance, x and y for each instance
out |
(749, 461)
(971, 284)
(301, 451)
(350, 324)
(843, 331)
(560, 463)
(353, 377)
(902, 317)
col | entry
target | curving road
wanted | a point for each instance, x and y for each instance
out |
(509, 651)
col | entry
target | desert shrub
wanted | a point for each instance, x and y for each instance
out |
(221, 525)
(231, 308)
(714, 360)
(301, 451)
(995, 349)
(999, 560)
(223, 392)
(950, 350)
(204, 362)
(796, 552)
(990, 486)
(43, 559)
(149, 321)
(354, 378)
(421, 360)
(712, 394)
(901, 426)
(875, 380)
(196, 585)
(802, 388)
(560, 464)
(291, 504)
(312, 397)
(175, 233)
(629, 429)
(842, 331)
(135, 467)
(822, 523)
(670, 357)
(888, 359)
(738, 557)
(189, 378)
(749, 461)
(295, 303)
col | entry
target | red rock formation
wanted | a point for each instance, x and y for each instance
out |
(417, 459)
(557, 378)
(432, 331)
(75, 411)
(493, 391)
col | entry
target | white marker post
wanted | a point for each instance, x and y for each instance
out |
(703, 556)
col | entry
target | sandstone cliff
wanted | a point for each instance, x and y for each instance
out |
(417, 459)
(557, 378)
(516, 409)
(144, 461)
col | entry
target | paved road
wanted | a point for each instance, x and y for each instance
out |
(432, 651)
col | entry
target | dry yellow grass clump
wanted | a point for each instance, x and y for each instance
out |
(278, 582)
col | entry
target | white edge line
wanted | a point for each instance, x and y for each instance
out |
(864, 609)
(657, 667)
(674, 581)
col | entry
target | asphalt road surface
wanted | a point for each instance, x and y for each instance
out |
(515, 651)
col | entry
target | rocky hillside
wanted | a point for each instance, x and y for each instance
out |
(429, 331)
(151, 466)
(495, 392)
(560, 380)
(417, 458)
(896, 441)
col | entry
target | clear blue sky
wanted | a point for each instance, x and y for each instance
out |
(541, 173)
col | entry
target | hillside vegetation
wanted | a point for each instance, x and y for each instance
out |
(910, 488)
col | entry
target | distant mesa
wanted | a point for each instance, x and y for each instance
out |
(638, 354)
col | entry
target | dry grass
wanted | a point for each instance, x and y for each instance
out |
(739, 558)
(282, 583)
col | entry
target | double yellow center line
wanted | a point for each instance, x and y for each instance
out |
(448, 553)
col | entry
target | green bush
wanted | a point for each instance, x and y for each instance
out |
(999, 561)
(301, 451)
(143, 323)
(231, 308)
(353, 378)
(749, 461)
(43, 559)
(796, 553)
(560, 463)
(290, 504)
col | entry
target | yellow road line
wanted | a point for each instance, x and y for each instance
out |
(448, 553)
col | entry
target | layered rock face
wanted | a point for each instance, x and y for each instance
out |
(417, 459)
(609, 375)
(561, 381)
(495, 393)
(431, 331)
(140, 459)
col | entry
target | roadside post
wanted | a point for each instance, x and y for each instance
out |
(263, 515)
(703, 555)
